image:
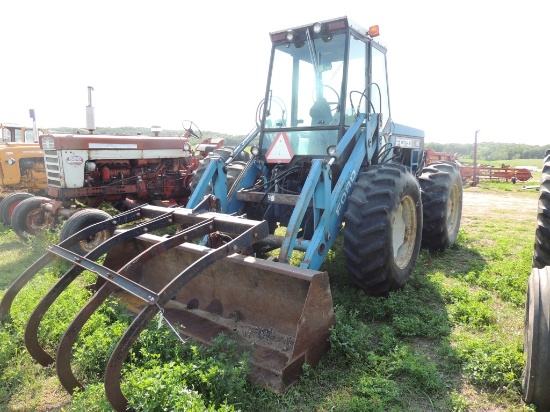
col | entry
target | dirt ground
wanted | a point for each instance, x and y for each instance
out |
(477, 203)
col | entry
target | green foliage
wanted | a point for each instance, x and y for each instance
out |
(10, 374)
(349, 335)
(164, 388)
(470, 308)
(376, 393)
(492, 151)
(90, 399)
(210, 377)
(492, 363)
(420, 372)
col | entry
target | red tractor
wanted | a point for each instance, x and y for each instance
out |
(84, 170)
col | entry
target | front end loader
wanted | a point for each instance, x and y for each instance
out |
(245, 258)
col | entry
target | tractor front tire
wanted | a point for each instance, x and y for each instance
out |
(541, 254)
(536, 343)
(441, 186)
(81, 220)
(8, 205)
(29, 218)
(383, 227)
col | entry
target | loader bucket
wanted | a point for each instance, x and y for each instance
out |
(280, 314)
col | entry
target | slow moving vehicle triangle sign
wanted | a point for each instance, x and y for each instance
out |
(280, 150)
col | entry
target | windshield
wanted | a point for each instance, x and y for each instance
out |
(305, 88)
(29, 136)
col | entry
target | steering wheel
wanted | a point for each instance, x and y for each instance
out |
(280, 104)
(188, 126)
(334, 105)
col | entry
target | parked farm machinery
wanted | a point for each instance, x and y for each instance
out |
(22, 172)
(434, 156)
(504, 172)
(485, 172)
(328, 160)
(84, 171)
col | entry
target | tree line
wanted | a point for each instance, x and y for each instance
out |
(492, 151)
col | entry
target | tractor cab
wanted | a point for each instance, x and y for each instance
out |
(321, 77)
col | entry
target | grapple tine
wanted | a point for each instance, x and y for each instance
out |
(114, 366)
(31, 330)
(27, 275)
(20, 282)
(64, 351)
(64, 370)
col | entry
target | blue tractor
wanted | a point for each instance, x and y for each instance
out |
(329, 157)
(325, 157)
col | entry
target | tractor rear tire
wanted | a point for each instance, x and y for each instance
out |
(29, 218)
(383, 227)
(8, 205)
(233, 171)
(441, 186)
(81, 220)
(541, 254)
(199, 172)
(536, 343)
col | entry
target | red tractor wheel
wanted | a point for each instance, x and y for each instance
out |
(8, 205)
(29, 218)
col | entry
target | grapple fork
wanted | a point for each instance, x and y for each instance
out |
(279, 313)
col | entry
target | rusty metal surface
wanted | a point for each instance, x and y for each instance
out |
(57, 192)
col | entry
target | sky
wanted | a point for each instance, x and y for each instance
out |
(454, 66)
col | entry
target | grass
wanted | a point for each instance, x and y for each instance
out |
(450, 340)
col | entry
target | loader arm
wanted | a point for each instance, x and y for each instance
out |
(329, 206)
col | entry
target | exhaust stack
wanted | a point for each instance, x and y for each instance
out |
(90, 118)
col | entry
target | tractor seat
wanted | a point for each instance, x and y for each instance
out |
(320, 113)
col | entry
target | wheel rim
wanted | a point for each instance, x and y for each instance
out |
(453, 209)
(38, 220)
(404, 232)
(90, 243)
(12, 208)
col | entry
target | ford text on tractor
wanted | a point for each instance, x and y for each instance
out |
(327, 157)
